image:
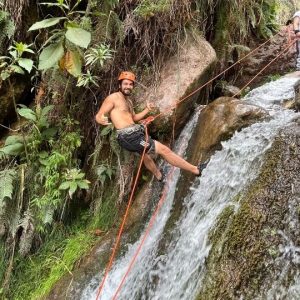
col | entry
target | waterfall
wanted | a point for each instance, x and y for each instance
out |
(176, 271)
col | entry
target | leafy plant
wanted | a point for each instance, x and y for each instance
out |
(98, 55)
(86, 79)
(104, 172)
(70, 31)
(51, 167)
(74, 179)
(7, 27)
(6, 182)
(147, 9)
(15, 63)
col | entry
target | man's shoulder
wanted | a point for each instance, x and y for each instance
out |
(113, 96)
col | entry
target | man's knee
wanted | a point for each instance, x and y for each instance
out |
(162, 149)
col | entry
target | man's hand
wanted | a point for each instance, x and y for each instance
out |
(104, 120)
(150, 106)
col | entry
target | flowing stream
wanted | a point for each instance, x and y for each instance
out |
(175, 271)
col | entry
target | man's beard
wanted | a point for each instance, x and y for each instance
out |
(126, 92)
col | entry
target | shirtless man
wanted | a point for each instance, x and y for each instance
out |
(296, 27)
(131, 136)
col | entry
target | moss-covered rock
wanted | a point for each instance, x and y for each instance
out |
(246, 257)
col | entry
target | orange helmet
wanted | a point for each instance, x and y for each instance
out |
(127, 75)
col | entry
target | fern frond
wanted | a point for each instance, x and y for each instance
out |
(7, 177)
(7, 28)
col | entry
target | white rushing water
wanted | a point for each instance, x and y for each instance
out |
(175, 272)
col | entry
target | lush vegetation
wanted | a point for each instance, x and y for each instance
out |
(57, 166)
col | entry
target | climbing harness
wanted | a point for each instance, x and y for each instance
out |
(165, 190)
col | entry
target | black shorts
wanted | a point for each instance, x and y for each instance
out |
(133, 139)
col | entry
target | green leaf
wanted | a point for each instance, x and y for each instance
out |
(14, 149)
(79, 175)
(83, 184)
(64, 186)
(73, 188)
(50, 56)
(26, 63)
(106, 130)
(13, 139)
(17, 69)
(100, 170)
(47, 109)
(27, 113)
(78, 36)
(102, 178)
(109, 173)
(4, 75)
(45, 23)
(14, 54)
(49, 133)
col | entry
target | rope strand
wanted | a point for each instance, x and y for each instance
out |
(163, 197)
(147, 121)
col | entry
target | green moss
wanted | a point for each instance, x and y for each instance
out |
(222, 223)
(35, 276)
(3, 264)
(244, 241)
(107, 214)
(147, 9)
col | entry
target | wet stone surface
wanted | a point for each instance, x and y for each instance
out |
(254, 251)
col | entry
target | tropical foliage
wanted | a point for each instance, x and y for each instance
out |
(72, 53)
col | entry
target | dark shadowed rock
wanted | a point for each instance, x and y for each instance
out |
(20, 89)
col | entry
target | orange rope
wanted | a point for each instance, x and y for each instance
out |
(210, 81)
(151, 222)
(162, 199)
(147, 121)
(108, 267)
(266, 66)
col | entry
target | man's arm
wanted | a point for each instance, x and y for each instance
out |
(142, 114)
(105, 108)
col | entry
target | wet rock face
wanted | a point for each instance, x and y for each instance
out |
(220, 119)
(260, 58)
(254, 252)
(187, 70)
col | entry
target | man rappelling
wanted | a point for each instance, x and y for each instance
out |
(131, 136)
(296, 28)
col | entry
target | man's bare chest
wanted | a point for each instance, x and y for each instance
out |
(124, 107)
